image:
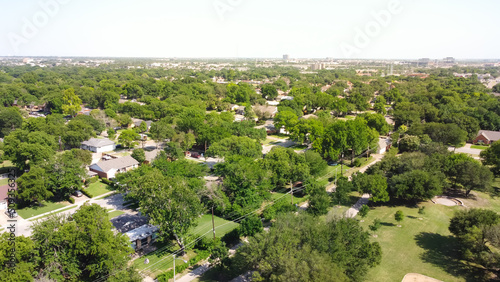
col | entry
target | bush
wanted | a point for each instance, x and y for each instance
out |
(376, 224)
(87, 193)
(107, 181)
(421, 210)
(358, 162)
(71, 200)
(250, 226)
(180, 268)
(232, 237)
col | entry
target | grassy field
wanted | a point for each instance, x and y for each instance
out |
(65, 209)
(98, 188)
(422, 246)
(115, 214)
(479, 147)
(204, 226)
(36, 210)
(296, 200)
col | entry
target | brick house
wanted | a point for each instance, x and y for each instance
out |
(486, 137)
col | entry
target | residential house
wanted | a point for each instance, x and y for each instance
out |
(137, 123)
(4, 197)
(143, 236)
(151, 155)
(98, 145)
(486, 137)
(270, 111)
(109, 168)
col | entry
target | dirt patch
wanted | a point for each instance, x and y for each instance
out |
(415, 277)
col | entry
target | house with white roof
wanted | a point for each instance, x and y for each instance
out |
(98, 145)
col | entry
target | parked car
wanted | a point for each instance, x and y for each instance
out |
(11, 214)
(77, 193)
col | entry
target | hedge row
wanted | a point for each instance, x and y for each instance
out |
(180, 268)
(87, 193)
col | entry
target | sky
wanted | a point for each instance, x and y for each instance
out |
(368, 29)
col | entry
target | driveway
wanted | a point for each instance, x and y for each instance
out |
(467, 150)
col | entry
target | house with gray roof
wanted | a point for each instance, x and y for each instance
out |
(486, 137)
(109, 168)
(97, 145)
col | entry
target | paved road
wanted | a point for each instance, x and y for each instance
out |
(114, 202)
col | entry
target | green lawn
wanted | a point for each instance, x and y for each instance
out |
(161, 261)
(36, 210)
(420, 246)
(65, 209)
(204, 226)
(115, 214)
(98, 188)
(479, 147)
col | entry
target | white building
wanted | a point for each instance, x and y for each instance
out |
(98, 145)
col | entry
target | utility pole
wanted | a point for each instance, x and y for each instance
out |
(342, 165)
(213, 222)
(174, 267)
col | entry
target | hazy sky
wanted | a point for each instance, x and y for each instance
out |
(251, 28)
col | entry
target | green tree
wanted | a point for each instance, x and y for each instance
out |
(82, 248)
(71, 102)
(363, 211)
(139, 155)
(33, 186)
(128, 138)
(234, 145)
(491, 157)
(285, 119)
(250, 226)
(399, 216)
(269, 92)
(10, 119)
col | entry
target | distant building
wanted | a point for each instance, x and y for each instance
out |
(449, 60)
(98, 145)
(109, 168)
(486, 137)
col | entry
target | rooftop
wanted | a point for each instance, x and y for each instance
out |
(117, 163)
(95, 142)
(141, 232)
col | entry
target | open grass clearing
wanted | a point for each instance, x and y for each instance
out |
(98, 188)
(422, 246)
(47, 206)
(204, 227)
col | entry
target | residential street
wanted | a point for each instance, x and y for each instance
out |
(114, 202)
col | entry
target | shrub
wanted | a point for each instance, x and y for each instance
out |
(363, 212)
(421, 210)
(164, 277)
(250, 226)
(231, 237)
(87, 193)
(376, 224)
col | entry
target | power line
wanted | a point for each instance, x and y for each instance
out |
(199, 238)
